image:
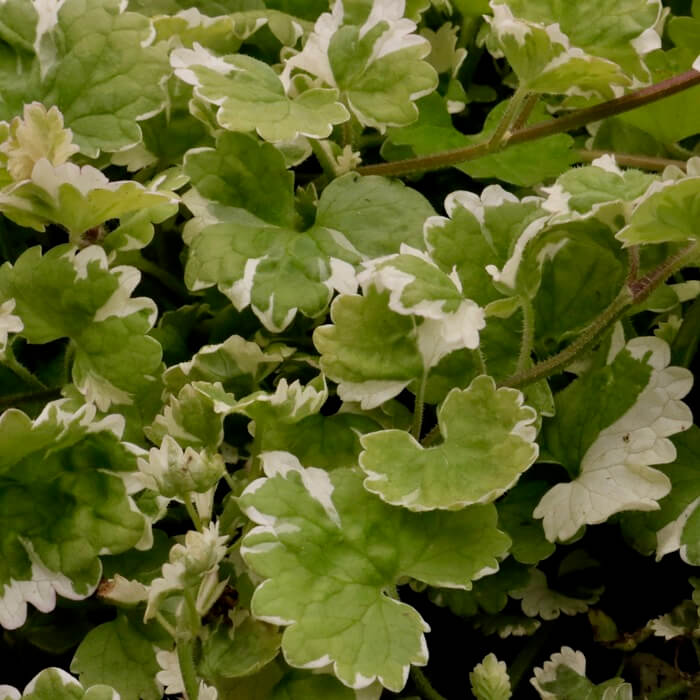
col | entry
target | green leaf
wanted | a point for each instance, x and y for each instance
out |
(667, 215)
(251, 96)
(489, 441)
(234, 652)
(581, 271)
(378, 67)
(671, 119)
(122, 654)
(190, 418)
(417, 287)
(600, 190)
(303, 685)
(563, 676)
(78, 199)
(96, 63)
(231, 174)
(352, 209)
(55, 684)
(615, 438)
(329, 552)
(369, 350)
(621, 31)
(485, 240)
(325, 441)
(544, 60)
(488, 594)
(674, 527)
(278, 271)
(522, 164)
(489, 680)
(540, 600)
(59, 512)
(515, 518)
(71, 293)
(240, 365)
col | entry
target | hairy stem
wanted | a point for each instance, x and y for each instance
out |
(187, 669)
(525, 111)
(418, 409)
(423, 685)
(41, 394)
(192, 512)
(630, 160)
(528, 336)
(632, 293)
(576, 119)
(502, 133)
(16, 367)
(321, 149)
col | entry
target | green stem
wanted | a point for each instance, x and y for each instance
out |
(528, 105)
(528, 337)
(325, 159)
(423, 685)
(165, 624)
(576, 119)
(418, 409)
(13, 364)
(192, 512)
(669, 691)
(187, 669)
(632, 293)
(68, 362)
(481, 361)
(632, 264)
(502, 133)
(629, 160)
(13, 399)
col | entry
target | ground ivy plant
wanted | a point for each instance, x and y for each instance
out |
(347, 349)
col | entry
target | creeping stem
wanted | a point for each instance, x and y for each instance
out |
(574, 120)
(632, 293)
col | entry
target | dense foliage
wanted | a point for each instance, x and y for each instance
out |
(347, 351)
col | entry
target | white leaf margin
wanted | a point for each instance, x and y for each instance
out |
(616, 473)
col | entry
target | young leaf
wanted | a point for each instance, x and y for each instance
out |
(488, 443)
(563, 676)
(489, 680)
(544, 61)
(374, 59)
(668, 215)
(234, 652)
(538, 599)
(251, 96)
(321, 534)
(122, 654)
(621, 31)
(78, 199)
(371, 351)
